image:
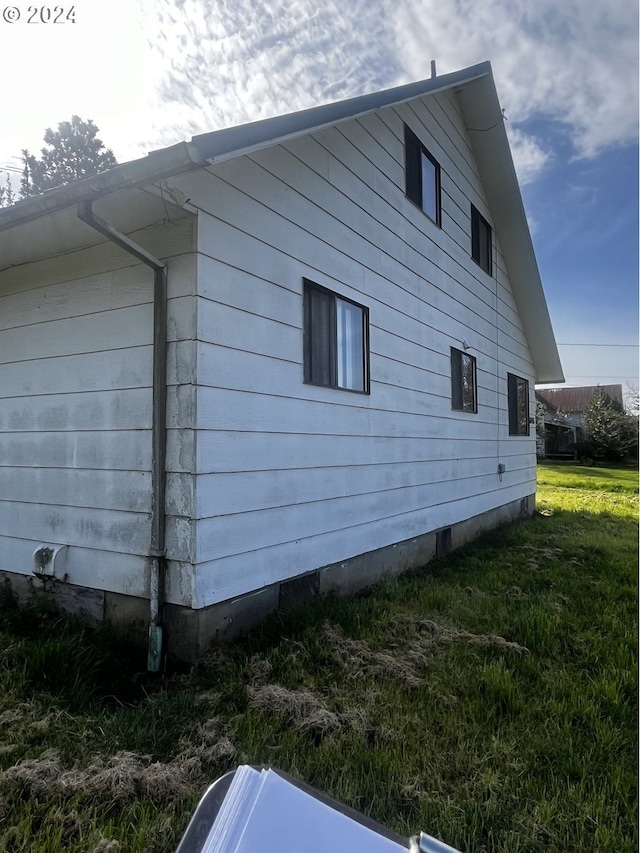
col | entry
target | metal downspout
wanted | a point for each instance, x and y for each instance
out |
(159, 425)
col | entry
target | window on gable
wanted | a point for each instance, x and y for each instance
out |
(422, 176)
(336, 340)
(463, 381)
(481, 240)
(518, 403)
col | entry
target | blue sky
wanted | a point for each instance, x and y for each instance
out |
(584, 219)
(154, 72)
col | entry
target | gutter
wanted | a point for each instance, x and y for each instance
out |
(159, 425)
(165, 163)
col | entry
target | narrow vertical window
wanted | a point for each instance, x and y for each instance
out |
(336, 340)
(481, 240)
(463, 381)
(518, 403)
(319, 324)
(422, 176)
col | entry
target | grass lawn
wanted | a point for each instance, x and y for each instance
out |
(490, 699)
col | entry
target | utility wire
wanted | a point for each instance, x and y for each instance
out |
(599, 345)
(596, 376)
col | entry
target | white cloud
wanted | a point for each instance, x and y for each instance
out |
(225, 63)
(575, 61)
(528, 156)
(153, 72)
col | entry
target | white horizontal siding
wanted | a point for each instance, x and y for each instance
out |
(398, 377)
(76, 357)
(221, 409)
(222, 451)
(66, 374)
(246, 531)
(225, 577)
(228, 494)
(110, 330)
(103, 569)
(292, 476)
(104, 530)
(85, 488)
(105, 271)
(128, 450)
(123, 409)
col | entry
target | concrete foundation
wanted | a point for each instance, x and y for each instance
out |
(189, 633)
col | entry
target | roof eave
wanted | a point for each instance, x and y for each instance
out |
(155, 166)
(476, 91)
(236, 141)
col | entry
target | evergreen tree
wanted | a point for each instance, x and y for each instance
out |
(7, 195)
(611, 432)
(73, 151)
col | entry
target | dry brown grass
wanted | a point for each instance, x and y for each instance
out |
(413, 644)
(115, 780)
(359, 660)
(303, 709)
(432, 635)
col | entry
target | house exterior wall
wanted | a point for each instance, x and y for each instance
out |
(76, 337)
(289, 476)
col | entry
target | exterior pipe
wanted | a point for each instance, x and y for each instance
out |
(159, 424)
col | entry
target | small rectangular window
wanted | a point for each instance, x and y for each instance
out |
(481, 240)
(463, 381)
(336, 340)
(518, 403)
(422, 176)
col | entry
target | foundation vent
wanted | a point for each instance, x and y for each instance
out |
(443, 542)
(50, 562)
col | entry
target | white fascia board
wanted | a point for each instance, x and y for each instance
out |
(485, 126)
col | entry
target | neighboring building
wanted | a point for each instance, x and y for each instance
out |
(564, 410)
(342, 385)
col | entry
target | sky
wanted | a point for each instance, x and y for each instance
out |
(151, 73)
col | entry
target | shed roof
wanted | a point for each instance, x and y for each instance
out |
(476, 93)
(571, 400)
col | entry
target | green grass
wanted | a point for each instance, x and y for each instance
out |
(489, 699)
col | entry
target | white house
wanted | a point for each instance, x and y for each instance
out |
(281, 359)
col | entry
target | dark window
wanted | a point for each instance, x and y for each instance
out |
(422, 176)
(336, 340)
(463, 381)
(518, 402)
(480, 240)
